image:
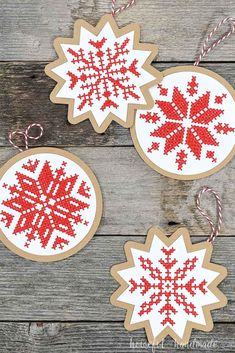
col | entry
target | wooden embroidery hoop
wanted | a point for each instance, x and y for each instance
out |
(96, 222)
(187, 176)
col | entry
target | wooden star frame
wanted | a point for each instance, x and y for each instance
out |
(222, 273)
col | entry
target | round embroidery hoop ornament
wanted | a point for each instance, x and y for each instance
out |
(190, 132)
(169, 285)
(50, 202)
(104, 73)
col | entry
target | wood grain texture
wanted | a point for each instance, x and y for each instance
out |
(79, 288)
(136, 197)
(91, 337)
(24, 98)
(28, 28)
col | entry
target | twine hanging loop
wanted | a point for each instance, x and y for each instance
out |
(26, 136)
(215, 229)
(207, 46)
(121, 8)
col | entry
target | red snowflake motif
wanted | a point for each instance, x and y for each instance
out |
(187, 123)
(45, 204)
(170, 287)
(102, 74)
(219, 99)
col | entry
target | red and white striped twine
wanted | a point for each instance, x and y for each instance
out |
(214, 229)
(206, 48)
(121, 8)
(26, 135)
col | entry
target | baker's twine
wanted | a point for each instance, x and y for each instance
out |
(26, 135)
(207, 46)
(121, 8)
(215, 229)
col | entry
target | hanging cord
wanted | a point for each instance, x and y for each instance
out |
(26, 135)
(206, 48)
(214, 229)
(121, 8)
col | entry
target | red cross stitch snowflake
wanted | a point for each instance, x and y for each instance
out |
(104, 73)
(168, 282)
(168, 287)
(48, 204)
(191, 128)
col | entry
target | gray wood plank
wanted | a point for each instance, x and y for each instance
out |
(79, 288)
(28, 28)
(24, 98)
(39, 337)
(136, 197)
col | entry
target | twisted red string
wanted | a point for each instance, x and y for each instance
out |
(121, 8)
(214, 229)
(206, 48)
(26, 136)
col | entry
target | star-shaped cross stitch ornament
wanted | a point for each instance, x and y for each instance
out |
(190, 131)
(168, 286)
(103, 73)
(50, 204)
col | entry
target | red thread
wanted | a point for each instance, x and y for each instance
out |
(192, 86)
(59, 243)
(103, 73)
(181, 159)
(154, 147)
(73, 79)
(84, 190)
(223, 128)
(167, 287)
(186, 123)
(7, 218)
(219, 99)
(45, 203)
(163, 90)
(150, 117)
(211, 155)
(30, 165)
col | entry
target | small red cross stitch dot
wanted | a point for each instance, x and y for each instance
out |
(154, 147)
(219, 99)
(163, 90)
(211, 155)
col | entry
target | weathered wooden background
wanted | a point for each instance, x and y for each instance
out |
(64, 307)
